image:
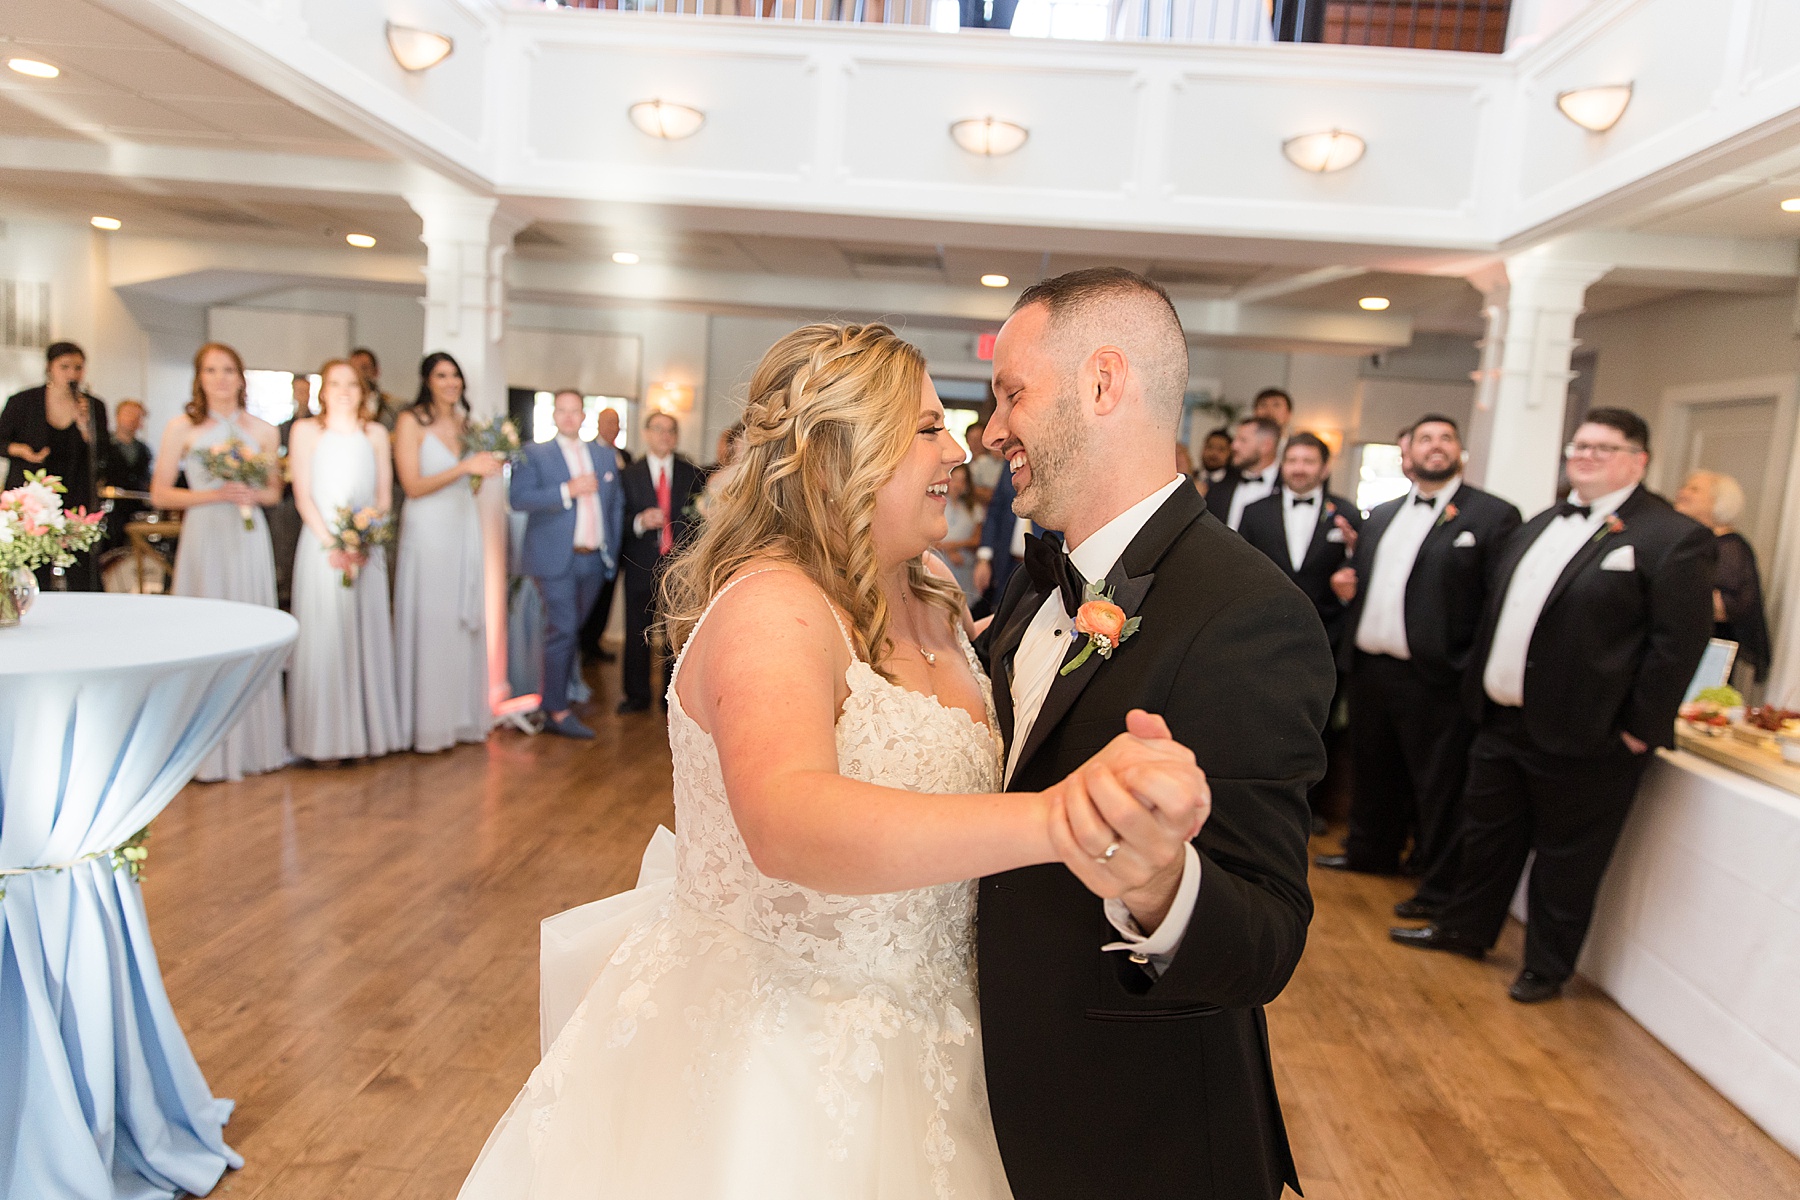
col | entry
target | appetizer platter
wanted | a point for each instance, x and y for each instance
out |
(1762, 741)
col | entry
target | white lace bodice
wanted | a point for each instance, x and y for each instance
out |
(888, 735)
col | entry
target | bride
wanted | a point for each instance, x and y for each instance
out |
(788, 1013)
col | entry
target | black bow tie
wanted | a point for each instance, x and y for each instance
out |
(1297, 500)
(1427, 501)
(1051, 571)
(1256, 478)
(1567, 509)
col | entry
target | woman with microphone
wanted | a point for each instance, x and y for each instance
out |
(61, 429)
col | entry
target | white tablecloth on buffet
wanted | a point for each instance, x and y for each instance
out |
(1697, 932)
(107, 705)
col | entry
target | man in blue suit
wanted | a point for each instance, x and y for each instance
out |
(1002, 546)
(571, 490)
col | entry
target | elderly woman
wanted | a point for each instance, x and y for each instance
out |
(1716, 501)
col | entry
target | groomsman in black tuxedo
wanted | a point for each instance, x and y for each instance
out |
(1416, 588)
(1126, 1049)
(1254, 471)
(1600, 611)
(660, 490)
(1304, 529)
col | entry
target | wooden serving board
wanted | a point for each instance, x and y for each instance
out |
(1759, 762)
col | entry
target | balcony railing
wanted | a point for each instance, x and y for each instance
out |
(1469, 25)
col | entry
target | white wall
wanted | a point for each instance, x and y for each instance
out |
(389, 322)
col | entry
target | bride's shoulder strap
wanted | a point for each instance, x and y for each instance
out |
(849, 644)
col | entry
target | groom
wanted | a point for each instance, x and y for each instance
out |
(1127, 1055)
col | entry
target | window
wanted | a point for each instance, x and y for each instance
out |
(270, 395)
(1379, 478)
(957, 421)
(543, 423)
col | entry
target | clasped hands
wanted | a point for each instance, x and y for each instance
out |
(1121, 821)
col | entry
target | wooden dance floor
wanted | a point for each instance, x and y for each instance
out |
(353, 953)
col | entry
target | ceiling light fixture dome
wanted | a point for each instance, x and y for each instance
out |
(1324, 152)
(989, 137)
(666, 120)
(1595, 109)
(417, 49)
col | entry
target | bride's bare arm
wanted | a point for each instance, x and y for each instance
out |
(766, 677)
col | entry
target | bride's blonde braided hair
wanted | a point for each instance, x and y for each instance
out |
(831, 412)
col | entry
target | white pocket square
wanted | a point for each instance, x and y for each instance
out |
(1465, 538)
(1336, 535)
(1621, 559)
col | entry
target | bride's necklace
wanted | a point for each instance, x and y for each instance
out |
(912, 627)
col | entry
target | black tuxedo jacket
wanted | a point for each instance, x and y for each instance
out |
(1613, 650)
(1263, 526)
(1083, 1046)
(641, 553)
(1448, 587)
(1218, 496)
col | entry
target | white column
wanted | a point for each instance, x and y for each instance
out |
(467, 242)
(1522, 388)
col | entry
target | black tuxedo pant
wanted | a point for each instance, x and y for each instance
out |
(1569, 811)
(640, 619)
(1409, 746)
(593, 630)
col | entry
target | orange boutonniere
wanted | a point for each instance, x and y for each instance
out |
(1447, 516)
(1612, 525)
(1104, 623)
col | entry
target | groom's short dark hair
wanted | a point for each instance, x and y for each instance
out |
(1073, 295)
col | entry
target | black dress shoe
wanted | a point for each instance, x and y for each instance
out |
(1341, 862)
(1532, 988)
(1417, 910)
(1433, 938)
(634, 706)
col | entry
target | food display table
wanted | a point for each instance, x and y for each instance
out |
(107, 705)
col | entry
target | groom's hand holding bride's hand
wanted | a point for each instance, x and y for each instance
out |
(1144, 793)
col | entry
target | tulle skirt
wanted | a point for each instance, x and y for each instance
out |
(689, 1061)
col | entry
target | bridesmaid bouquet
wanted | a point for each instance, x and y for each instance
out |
(35, 529)
(353, 533)
(498, 436)
(237, 462)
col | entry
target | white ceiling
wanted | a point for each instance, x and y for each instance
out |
(120, 81)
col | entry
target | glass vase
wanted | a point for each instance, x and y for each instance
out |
(18, 588)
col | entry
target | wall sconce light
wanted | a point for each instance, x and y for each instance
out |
(666, 119)
(417, 49)
(1595, 109)
(669, 397)
(989, 137)
(1321, 153)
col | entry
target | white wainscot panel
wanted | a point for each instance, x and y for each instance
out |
(1083, 125)
(1225, 137)
(454, 93)
(760, 110)
(1775, 40)
(1673, 50)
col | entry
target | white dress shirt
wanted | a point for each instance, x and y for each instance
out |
(1250, 489)
(1300, 512)
(1382, 628)
(658, 468)
(1035, 666)
(1504, 675)
(590, 534)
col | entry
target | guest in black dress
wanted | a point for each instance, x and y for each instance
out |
(56, 428)
(1716, 501)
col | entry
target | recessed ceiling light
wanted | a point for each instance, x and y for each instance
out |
(34, 68)
(417, 49)
(625, 258)
(1321, 153)
(666, 119)
(105, 222)
(1373, 303)
(989, 137)
(361, 241)
(994, 281)
(1791, 205)
(1595, 109)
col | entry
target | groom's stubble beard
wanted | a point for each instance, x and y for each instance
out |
(1054, 453)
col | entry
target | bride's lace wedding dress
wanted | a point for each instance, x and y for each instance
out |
(742, 1038)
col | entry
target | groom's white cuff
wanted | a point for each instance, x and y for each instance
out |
(1157, 950)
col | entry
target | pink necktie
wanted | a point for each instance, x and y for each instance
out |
(666, 540)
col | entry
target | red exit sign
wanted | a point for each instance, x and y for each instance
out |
(984, 346)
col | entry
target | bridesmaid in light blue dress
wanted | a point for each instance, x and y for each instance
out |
(217, 557)
(341, 700)
(440, 625)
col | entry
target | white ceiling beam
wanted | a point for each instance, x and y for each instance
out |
(142, 163)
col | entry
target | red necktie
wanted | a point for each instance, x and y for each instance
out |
(666, 539)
